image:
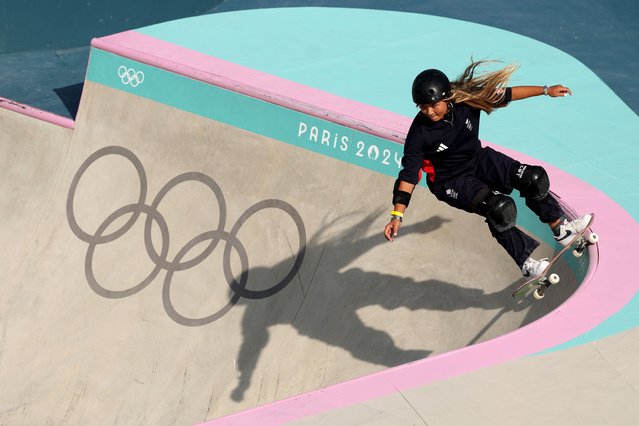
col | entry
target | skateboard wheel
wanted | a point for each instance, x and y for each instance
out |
(538, 294)
(577, 253)
(553, 279)
(593, 238)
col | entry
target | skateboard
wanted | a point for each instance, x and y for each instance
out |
(539, 284)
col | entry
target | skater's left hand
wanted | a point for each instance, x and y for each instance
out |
(558, 90)
(391, 229)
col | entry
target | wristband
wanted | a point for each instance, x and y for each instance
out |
(545, 90)
(397, 215)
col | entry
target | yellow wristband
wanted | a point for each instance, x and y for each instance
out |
(397, 215)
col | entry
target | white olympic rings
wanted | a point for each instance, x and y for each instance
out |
(130, 76)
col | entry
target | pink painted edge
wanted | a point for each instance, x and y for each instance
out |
(256, 84)
(36, 113)
(588, 307)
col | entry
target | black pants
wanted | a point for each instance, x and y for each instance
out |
(494, 171)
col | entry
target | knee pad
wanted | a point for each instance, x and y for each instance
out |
(531, 181)
(500, 212)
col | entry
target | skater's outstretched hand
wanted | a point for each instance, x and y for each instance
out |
(558, 90)
(391, 229)
(523, 92)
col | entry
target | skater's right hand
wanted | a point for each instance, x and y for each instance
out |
(391, 229)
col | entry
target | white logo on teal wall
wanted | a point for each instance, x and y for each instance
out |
(365, 152)
(129, 76)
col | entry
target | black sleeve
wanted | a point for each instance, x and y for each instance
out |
(508, 96)
(414, 149)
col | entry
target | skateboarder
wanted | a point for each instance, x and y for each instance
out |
(443, 141)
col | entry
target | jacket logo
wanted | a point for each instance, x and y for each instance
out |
(442, 147)
(520, 171)
(469, 125)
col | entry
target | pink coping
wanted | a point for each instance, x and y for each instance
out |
(256, 84)
(36, 113)
(592, 303)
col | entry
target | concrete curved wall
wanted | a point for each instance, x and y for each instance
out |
(176, 112)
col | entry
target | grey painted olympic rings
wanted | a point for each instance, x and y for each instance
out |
(160, 259)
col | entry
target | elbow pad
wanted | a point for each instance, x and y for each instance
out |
(400, 197)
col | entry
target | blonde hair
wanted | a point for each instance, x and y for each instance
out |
(484, 91)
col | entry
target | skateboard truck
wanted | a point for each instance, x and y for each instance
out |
(540, 291)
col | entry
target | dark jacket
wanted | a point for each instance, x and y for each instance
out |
(446, 148)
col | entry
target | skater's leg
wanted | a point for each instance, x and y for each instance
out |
(472, 195)
(502, 173)
(534, 185)
(547, 209)
(501, 214)
(517, 244)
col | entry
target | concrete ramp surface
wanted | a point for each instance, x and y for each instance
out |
(162, 266)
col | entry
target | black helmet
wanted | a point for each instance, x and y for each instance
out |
(430, 86)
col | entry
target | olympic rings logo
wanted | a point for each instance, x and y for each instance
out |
(213, 237)
(130, 76)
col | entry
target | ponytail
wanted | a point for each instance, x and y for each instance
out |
(484, 91)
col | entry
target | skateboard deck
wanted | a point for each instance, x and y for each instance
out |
(539, 284)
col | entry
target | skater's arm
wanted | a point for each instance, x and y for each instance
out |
(523, 92)
(405, 187)
(408, 177)
(391, 229)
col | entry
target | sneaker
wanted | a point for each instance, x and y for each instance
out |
(569, 228)
(532, 268)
